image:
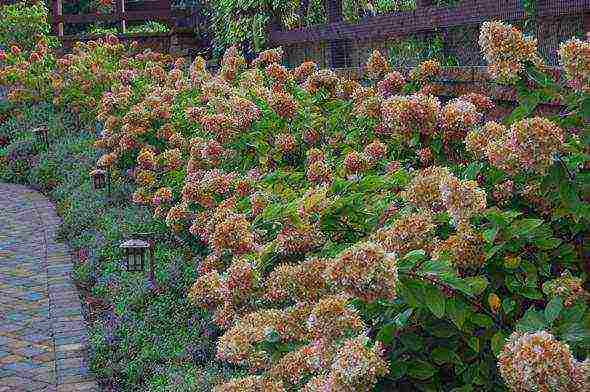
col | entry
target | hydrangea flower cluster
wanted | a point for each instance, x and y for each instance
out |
(539, 362)
(528, 146)
(574, 57)
(507, 51)
(568, 287)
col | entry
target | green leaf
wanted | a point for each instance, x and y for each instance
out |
(483, 320)
(411, 259)
(495, 249)
(586, 108)
(531, 292)
(553, 309)
(478, 284)
(398, 369)
(402, 319)
(457, 310)
(442, 355)
(421, 370)
(473, 343)
(415, 255)
(456, 283)
(512, 262)
(412, 342)
(489, 235)
(386, 334)
(435, 300)
(472, 170)
(497, 342)
(532, 321)
(435, 267)
(508, 305)
(411, 292)
(522, 227)
(574, 333)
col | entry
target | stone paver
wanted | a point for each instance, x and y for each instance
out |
(42, 331)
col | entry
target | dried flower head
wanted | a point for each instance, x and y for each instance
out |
(574, 57)
(332, 318)
(538, 362)
(405, 115)
(391, 84)
(425, 71)
(365, 271)
(457, 118)
(568, 287)
(377, 65)
(408, 233)
(357, 367)
(506, 50)
(305, 70)
(465, 249)
(301, 282)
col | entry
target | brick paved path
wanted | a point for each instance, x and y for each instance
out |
(42, 332)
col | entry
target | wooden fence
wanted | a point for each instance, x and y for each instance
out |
(336, 40)
(125, 11)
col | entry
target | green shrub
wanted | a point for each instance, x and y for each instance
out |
(22, 24)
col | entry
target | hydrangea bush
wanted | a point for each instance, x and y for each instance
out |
(369, 235)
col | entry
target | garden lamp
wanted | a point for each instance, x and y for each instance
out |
(99, 179)
(149, 239)
(107, 177)
(135, 254)
(42, 136)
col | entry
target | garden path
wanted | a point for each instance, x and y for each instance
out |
(42, 331)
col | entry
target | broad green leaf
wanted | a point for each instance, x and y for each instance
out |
(478, 284)
(402, 319)
(456, 283)
(411, 294)
(483, 320)
(495, 249)
(457, 310)
(512, 262)
(523, 227)
(586, 108)
(489, 235)
(532, 321)
(472, 170)
(421, 370)
(553, 309)
(435, 300)
(574, 333)
(442, 355)
(435, 267)
(386, 333)
(497, 342)
(412, 342)
(508, 305)
(415, 255)
(398, 369)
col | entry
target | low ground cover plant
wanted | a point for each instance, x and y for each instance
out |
(352, 236)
